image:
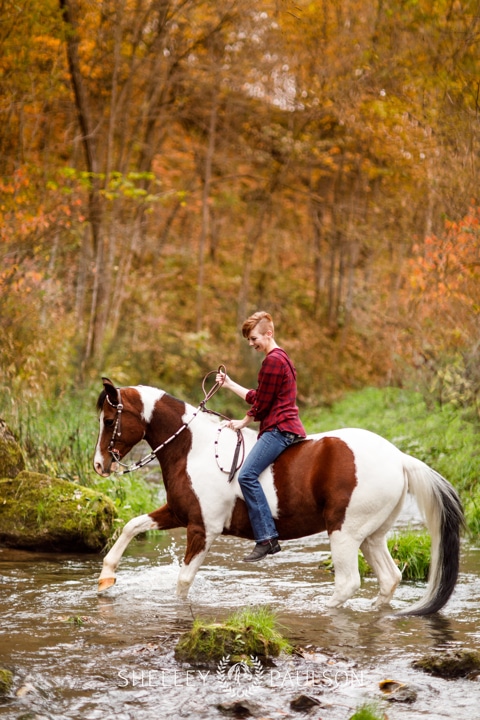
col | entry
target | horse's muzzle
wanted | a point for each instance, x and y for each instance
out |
(105, 471)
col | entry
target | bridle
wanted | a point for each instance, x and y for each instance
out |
(117, 430)
(117, 433)
(117, 427)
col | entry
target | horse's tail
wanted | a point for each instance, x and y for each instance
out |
(442, 510)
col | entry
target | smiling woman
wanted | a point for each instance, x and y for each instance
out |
(274, 405)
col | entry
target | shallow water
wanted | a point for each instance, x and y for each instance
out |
(79, 655)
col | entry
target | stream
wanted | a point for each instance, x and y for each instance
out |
(75, 654)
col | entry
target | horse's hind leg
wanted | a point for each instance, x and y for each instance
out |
(376, 553)
(161, 519)
(345, 561)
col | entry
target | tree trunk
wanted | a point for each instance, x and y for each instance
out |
(205, 211)
(95, 210)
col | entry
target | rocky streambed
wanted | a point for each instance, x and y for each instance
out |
(74, 654)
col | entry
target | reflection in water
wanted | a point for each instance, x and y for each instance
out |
(442, 630)
(79, 655)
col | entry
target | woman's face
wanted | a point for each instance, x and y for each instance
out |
(260, 341)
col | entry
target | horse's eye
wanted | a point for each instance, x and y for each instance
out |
(108, 423)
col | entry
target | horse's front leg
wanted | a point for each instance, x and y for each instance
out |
(161, 519)
(198, 544)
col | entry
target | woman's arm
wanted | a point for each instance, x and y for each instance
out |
(228, 383)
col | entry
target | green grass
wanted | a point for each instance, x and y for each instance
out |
(369, 711)
(440, 436)
(411, 552)
(263, 621)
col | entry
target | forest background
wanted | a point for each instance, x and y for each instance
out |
(168, 167)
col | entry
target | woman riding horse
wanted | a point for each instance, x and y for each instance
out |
(274, 405)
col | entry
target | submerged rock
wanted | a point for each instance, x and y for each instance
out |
(405, 694)
(239, 708)
(450, 663)
(396, 691)
(303, 703)
(12, 460)
(43, 513)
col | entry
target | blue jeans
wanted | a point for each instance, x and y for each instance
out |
(267, 448)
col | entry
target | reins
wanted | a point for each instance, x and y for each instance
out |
(201, 408)
(240, 439)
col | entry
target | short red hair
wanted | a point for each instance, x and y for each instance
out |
(260, 318)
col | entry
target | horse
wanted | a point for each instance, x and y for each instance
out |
(349, 482)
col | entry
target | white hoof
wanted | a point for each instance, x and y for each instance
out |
(380, 601)
(333, 603)
(182, 589)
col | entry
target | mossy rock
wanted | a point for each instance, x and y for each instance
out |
(12, 460)
(6, 681)
(211, 643)
(43, 513)
(247, 634)
(450, 663)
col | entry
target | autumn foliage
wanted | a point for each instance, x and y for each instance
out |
(168, 167)
(444, 298)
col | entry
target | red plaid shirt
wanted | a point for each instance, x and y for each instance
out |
(274, 400)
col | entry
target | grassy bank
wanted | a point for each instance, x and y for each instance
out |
(440, 436)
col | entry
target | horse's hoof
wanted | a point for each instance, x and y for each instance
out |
(182, 589)
(332, 603)
(105, 583)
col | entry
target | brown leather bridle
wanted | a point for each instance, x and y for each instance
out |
(117, 427)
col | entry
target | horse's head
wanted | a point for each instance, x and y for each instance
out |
(122, 425)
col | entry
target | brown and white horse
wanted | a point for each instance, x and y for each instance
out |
(351, 483)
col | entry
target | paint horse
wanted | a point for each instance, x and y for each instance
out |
(350, 482)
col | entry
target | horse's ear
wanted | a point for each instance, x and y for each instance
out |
(110, 390)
